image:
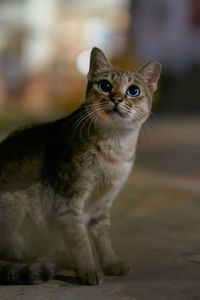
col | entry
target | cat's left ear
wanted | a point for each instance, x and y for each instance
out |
(151, 74)
(98, 62)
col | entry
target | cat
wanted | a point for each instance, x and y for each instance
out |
(58, 180)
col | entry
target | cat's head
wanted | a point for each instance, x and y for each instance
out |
(119, 96)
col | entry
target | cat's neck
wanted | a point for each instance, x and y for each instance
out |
(117, 146)
(119, 142)
(116, 131)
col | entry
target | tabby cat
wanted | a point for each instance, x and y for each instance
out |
(58, 180)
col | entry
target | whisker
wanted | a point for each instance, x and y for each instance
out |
(156, 117)
(76, 116)
(94, 116)
(83, 113)
(85, 122)
(127, 108)
(80, 113)
(78, 122)
(87, 118)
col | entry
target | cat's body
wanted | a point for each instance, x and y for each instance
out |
(58, 180)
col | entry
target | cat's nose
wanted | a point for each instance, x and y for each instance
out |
(116, 100)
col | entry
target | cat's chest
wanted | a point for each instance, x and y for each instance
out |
(111, 167)
(113, 170)
(115, 157)
(108, 181)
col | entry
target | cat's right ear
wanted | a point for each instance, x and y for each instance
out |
(98, 62)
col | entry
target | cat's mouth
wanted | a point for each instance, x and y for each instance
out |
(115, 110)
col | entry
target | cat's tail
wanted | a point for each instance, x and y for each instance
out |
(24, 273)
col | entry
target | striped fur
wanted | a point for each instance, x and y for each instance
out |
(23, 273)
(58, 180)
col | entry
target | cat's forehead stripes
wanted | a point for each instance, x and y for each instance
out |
(121, 75)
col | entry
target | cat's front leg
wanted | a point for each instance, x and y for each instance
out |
(77, 241)
(99, 228)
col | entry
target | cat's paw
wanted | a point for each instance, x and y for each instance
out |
(118, 268)
(89, 277)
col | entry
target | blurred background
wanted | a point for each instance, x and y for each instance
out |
(45, 47)
(44, 55)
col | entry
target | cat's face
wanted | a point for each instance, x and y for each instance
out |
(119, 96)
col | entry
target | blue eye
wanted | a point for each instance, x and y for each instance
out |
(104, 86)
(133, 91)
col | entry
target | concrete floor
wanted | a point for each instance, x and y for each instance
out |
(155, 224)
